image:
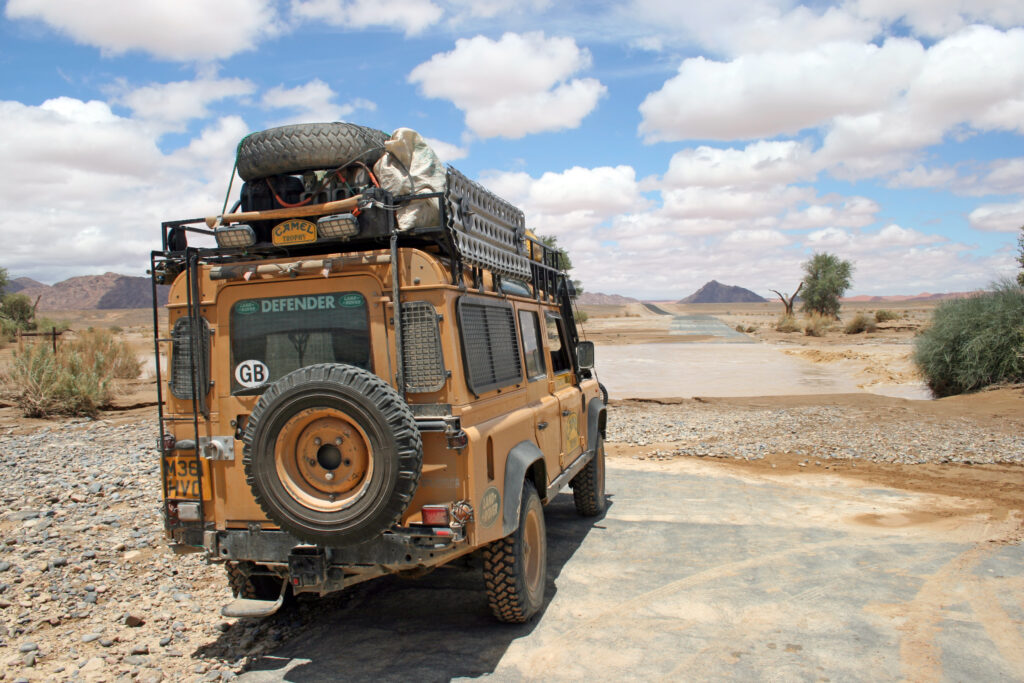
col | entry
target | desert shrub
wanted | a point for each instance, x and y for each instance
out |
(975, 342)
(117, 329)
(751, 328)
(79, 379)
(739, 328)
(816, 325)
(113, 356)
(884, 315)
(581, 316)
(861, 322)
(787, 323)
(46, 324)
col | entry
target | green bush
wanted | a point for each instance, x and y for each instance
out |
(861, 322)
(817, 325)
(79, 379)
(884, 315)
(975, 342)
(787, 323)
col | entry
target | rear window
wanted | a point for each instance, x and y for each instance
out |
(273, 336)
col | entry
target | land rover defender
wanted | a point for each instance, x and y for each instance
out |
(372, 367)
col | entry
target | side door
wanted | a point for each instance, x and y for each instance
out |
(546, 420)
(563, 388)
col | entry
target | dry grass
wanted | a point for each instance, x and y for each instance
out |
(816, 325)
(885, 315)
(860, 323)
(80, 379)
(787, 323)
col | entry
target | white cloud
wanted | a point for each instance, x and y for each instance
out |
(938, 18)
(512, 87)
(183, 30)
(919, 176)
(312, 101)
(488, 9)
(728, 203)
(759, 164)
(570, 203)
(998, 217)
(171, 105)
(446, 151)
(756, 239)
(115, 186)
(768, 94)
(411, 16)
(851, 212)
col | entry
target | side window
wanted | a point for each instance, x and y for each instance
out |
(556, 341)
(533, 350)
(490, 348)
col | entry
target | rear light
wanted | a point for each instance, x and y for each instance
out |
(435, 515)
(188, 512)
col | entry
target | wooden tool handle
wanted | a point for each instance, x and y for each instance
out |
(298, 211)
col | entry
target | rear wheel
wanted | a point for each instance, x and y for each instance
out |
(515, 567)
(588, 485)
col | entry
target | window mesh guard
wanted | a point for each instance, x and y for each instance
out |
(181, 358)
(490, 345)
(421, 348)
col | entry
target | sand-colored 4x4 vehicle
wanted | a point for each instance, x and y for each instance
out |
(372, 368)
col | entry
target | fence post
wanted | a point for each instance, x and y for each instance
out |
(53, 336)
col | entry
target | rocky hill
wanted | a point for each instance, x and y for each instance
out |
(106, 291)
(715, 292)
(599, 299)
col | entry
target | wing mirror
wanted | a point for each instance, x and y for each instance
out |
(585, 355)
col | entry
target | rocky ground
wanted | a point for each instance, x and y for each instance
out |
(89, 590)
(859, 427)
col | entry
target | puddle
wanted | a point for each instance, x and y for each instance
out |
(715, 369)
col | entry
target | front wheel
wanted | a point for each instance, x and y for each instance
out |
(516, 567)
(588, 485)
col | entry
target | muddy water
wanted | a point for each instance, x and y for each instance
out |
(714, 369)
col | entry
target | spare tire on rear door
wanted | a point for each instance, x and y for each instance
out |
(307, 147)
(332, 454)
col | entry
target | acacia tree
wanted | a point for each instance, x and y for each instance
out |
(826, 278)
(787, 300)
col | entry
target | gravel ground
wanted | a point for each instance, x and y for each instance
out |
(89, 590)
(716, 430)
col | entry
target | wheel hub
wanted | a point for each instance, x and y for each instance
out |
(323, 459)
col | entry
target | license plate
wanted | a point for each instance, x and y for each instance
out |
(181, 478)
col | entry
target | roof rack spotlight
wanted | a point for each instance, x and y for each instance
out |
(338, 226)
(235, 236)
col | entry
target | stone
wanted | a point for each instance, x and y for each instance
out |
(140, 650)
(28, 646)
(134, 620)
(93, 665)
(89, 637)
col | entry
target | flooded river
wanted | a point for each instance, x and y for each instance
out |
(717, 369)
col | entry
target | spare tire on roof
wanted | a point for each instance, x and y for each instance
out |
(308, 146)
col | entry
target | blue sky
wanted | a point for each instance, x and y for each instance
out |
(664, 144)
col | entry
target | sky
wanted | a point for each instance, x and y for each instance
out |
(665, 144)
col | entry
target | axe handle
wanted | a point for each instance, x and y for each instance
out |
(273, 214)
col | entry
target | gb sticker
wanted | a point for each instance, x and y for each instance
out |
(252, 373)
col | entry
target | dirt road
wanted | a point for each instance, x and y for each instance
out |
(705, 572)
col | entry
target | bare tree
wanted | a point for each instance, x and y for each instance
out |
(788, 301)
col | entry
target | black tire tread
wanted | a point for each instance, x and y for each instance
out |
(503, 575)
(589, 501)
(307, 146)
(398, 418)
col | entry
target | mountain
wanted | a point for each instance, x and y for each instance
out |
(106, 291)
(599, 299)
(20, 283)
(900, 298)
(715, 292)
